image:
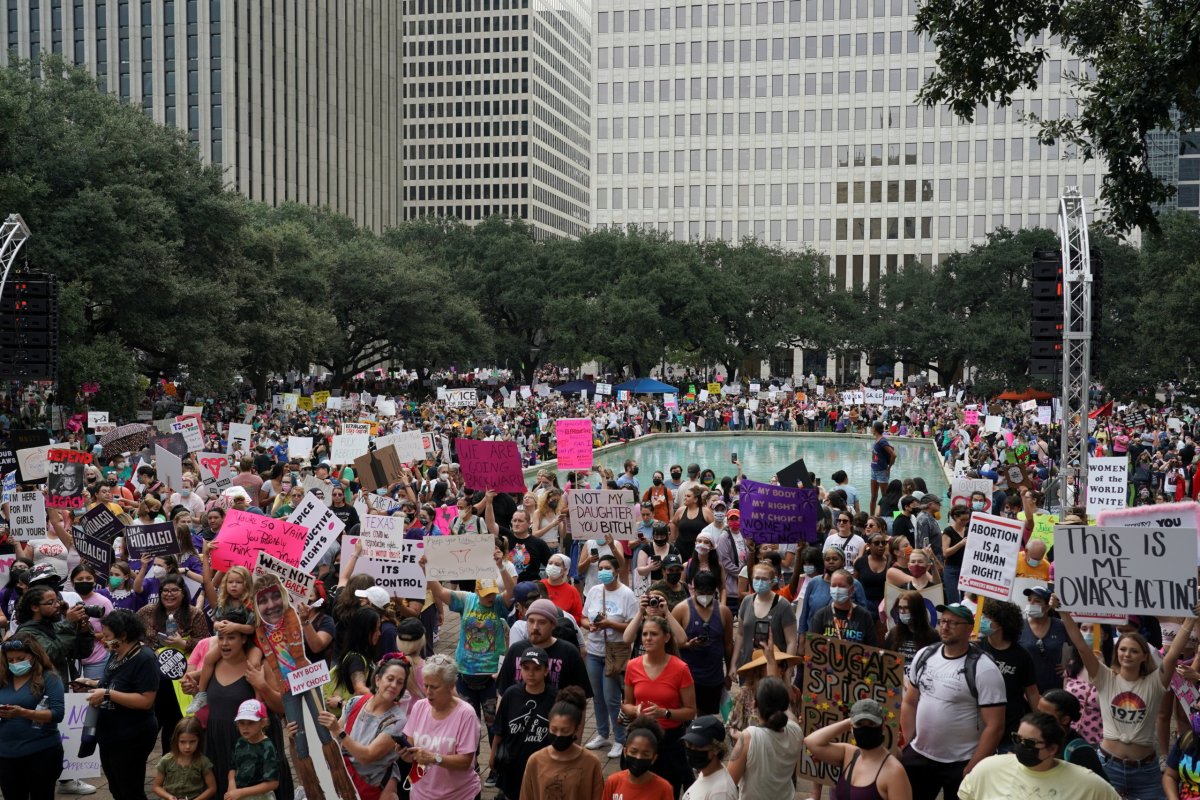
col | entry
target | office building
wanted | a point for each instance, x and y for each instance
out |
(296, 101)
(497, 111)
(793, 121)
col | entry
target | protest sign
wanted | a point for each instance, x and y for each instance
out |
(323, 529)
(70, 732)
(1043, 413)
(25, 439)
(95, 551)
(216, 472)
(443, 516)
(574, 443)
(933, 595)
(596, 513)
(961, 490)
(314, 676)
(1164, 515)
(169, 467)
(171, 442)
(1029, 405)
(240, 437)
(102, 524)
(244, 534)
(334, 404)
(892, 400)
(461, 398)
(873, 397)
(320, 398)
(33, 463)
(382, 537)
(1106, 483)
(837, 674)
(1148, 570)
(155, 539)
(992, 423)
(347, 447)
(305, 403)
(298, 582)
(64, 479)
(990, 558)
(491, 465)
(323, 489)
(604, 389)
(356, 428)
(189, 428)
(95, 418)
(778, 514)
(469, 556)
(794, 474)
(401, 577)
(299, 447)
(8, 487)
(378, 468)
(103, 428)
(27, 516)
(410, 445)
(1043, 527)
(971, 416)
(387, 408)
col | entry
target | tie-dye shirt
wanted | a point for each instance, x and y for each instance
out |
(482, 637)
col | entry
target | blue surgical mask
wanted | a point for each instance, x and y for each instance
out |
(985, 627)
(977, 505)
(605, 576)
(809, 569)
(20, 668)
(1033, 562)
(762, 585)
(839, 594)
(1089, 639)
(905, 617)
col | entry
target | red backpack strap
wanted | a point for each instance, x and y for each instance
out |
(355, 708)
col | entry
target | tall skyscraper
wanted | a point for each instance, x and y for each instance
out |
(497, 111)
(297, 101)
(793, 121)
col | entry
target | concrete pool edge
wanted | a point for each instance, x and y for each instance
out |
(530, 472)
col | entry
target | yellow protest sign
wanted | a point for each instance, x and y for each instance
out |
(320, 398)
(305, 404)
(714, 388)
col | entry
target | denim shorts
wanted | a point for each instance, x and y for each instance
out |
(881, 475)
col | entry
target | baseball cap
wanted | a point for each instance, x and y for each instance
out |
(409, 629)
(672, 560)
(867, 710)
(252, 710)
(1040, 592)
(704, 731)
(375, 595)
(931, 499)
(537, 655)
(958, 610)
(484, 588)
(525, 592)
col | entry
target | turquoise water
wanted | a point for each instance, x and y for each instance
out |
(764, 454)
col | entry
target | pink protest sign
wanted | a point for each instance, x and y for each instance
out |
(244, 534)
(442, 517)
(574, 443)
(491, 465)
(971, 416)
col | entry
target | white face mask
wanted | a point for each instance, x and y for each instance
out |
(554, 571)
(157, 572)
(705, 600)
(1034, 611)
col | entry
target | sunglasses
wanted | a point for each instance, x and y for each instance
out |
(1022, 742)
(12, 645)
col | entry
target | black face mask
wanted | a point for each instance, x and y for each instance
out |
(562, 743)
(84, 589)
(637, 766)
(658, 540)
(698, 759)
(868, 738)
(1028, 756)
(658, 481)
(634, 471)
(674, 577)
(675, 476)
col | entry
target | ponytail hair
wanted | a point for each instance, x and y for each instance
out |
(570, 702)
(773, 699)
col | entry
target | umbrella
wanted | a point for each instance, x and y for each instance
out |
(645, 386)
(574, 387)
(125, 439)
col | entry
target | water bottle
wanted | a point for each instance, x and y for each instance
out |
(42, 705)
(172, 626)
(87, 740)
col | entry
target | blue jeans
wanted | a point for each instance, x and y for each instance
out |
(950, 582)
(93, 671)
(606, 694)
(293, 711)
(1133, 783)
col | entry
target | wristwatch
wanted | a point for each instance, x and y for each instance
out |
(437, 759)
(667, 713)
(341, 736)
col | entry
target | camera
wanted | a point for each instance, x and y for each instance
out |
(93, 611)
(596, 619)
(655, 602)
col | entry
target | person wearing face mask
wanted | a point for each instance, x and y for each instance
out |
(673, 485)
(910, 629)
(83, 579)
(65, 637)
(732, 551)
(31, 707)
(999, 628)
(1064, 707)
(869, 771)
(672, 585)
(707, 648)
(954, 542)
(629, 477)
(762, 609)
(1032, 563)
(564, 769)
(607, 609)
(648, 559)
(1043, 637)
(705, 559)
(636, 781)
(522, 721)
(842, 618)
(659, 496)
(817, 592)
(979, 501)
(187, 497)
(705, 747)
(928, 529)
(1034, 769)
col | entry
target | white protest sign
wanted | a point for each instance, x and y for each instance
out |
(511, 401)
(1106, 485)
(33, 462)
(961, 490)
(290, 401)
(97, 418)
(990, 558)
(461, 398)
(27, 516)
(401, 577)
(873, 397)
(322, 489)
(192, 435)
(346, 448)
(1173, 516)
(1043, 415)
(239, 433)
(526, 393)
(410, 445)
(702, 396)
(197, 410)
(356, 428)
(992, 423)
(386, 408)
(323, 529)
(169, 467)
(70, 731)
(215, 472)
(1029, 405)
(892, 400)
(465, 557)
(334, 404)
(382, 537)
(1110, 569)
(595, 513)
(299, 447)
(297, 582)
(314, 676)
(604, 389)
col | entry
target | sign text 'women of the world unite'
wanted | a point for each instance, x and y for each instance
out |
(1103, 569)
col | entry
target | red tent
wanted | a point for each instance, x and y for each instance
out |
(1029, 394)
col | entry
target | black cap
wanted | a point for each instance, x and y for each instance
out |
(409, 629)
(526, 592)
(672, 560)
(536, 655)
(704, 731)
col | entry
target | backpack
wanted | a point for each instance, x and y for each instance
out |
(974, 653)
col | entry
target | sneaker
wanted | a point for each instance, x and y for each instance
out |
(491, 780)
(616, 750)
(597, 742)
(198, 702)
(75, 786)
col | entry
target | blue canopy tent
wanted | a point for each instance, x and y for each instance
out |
(575, 387)
(645, 386)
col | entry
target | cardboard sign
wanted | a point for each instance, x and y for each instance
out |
(990, 557)
(240, 437)
(27, 516)
(574, 443)
(1043, 415)
(323, 529)
(1149, 570)
(244, 534)
(64, 479)
(173, 443)
(299, 447)
(314, 676)
(778, 514)
(189, 428)
(1164, 515)
(961, 490)
(469, 556)
(320, 398)
(596, 513)
(322, 489)
(96, 552)
(33, 464)
(387, 408)
(992, 423)
(1107, 484)
(378, 468)
(794, 474)
(334, 404)
(155, 539)
(410, 445)
(216, 472)
(95, 418)
(382, 537)
(297, 581)
(27, 439)
(461, 398)
(347, 447)
(491, 465)
(169, 467)
(401, 577)
(838, 673)
(70, 730)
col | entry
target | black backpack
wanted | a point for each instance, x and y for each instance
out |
(970, 667)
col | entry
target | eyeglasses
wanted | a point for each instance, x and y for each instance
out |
(11, 645)
(842, 520)
(944, 620)
(1021, 742)
(52, 602)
